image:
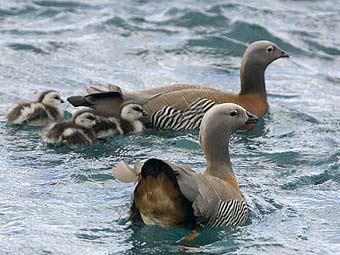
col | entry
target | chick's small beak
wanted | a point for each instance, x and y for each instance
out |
(62, 101)
(252, 119)
(144, 113)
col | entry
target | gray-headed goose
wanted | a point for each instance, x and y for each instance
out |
(184, 97)
(173, 195)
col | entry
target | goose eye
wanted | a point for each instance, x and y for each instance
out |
(233, 113)
(270, 49)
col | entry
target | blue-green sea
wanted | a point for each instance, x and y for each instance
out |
(63, 201)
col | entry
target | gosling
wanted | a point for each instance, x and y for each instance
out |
(40, 113)
(77, 133)
(128, 123)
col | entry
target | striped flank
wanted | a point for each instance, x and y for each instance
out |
(231, 213)
(170, 118)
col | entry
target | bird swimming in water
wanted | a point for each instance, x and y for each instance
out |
(175, 106)
(173, 195)
(128, 123)
(76, 133)
(40, 113)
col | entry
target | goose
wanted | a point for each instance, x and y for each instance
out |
(128, 122)
(76, 133)
(47, 109)
(184, 97)
(173, 195)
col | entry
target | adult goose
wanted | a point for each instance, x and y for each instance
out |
(173, 195)
(168, 104)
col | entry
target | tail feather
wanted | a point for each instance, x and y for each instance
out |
(93, 99)
(124, 173)
(114, 88)
(94, 90)
(78, 101)
(103, 95)
(155, 167)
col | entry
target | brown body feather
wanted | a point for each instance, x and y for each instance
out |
(81, 137)
(158, 199)
(13, 114)
(181, 99)
(105, 127)
(42, 114)
(126, 126)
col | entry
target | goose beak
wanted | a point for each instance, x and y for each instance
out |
(252, 119)
(284, 54)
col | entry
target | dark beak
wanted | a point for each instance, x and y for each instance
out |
(144, 113)
(284, 54)
(252, 119)
(97, 120)
(62, 101)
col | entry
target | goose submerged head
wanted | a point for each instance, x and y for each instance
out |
(132, 112)
(51, 98)
(86, 119)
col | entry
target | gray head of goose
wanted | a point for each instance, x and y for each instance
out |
(132, 112)
(86, 119)
(256, 58)
(226, 118)
(218, 124)
(51, 98)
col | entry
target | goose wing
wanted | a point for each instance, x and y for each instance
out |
(170, 118)
(206, 193)
(109, 102)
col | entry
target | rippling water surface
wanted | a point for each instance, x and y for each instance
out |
(61, 201)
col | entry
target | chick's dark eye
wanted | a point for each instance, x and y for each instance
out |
(56, 97)
(90, 118)
(137, 109)
(233, 113)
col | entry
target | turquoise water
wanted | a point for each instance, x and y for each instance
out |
(61, 201)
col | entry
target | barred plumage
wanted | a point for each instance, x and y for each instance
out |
(170, 118)
(231, 213)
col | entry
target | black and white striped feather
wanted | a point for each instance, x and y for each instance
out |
(170, 118)
(231, 213)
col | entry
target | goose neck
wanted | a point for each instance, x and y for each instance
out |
(252, 78)
(215, 147)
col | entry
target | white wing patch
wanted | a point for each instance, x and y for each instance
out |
(25, 113)
(69, 131)
(138, 127)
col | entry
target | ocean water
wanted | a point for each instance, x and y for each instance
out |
(62, 201)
